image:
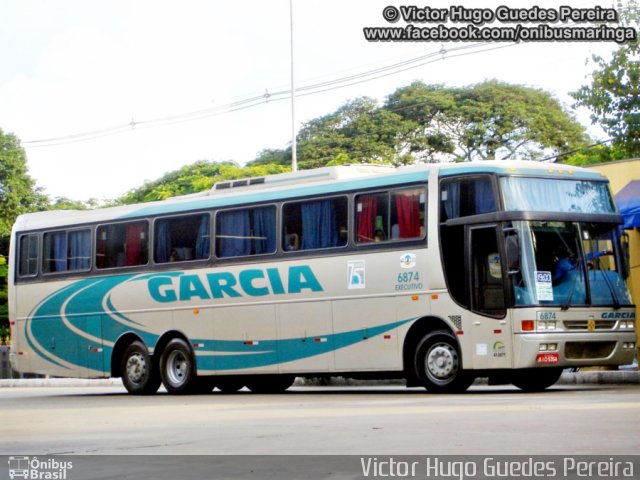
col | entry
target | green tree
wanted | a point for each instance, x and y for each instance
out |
(18, 191)
(18, 195)
(359, 131)
(490, 120)
(196, 177)
(613, 94)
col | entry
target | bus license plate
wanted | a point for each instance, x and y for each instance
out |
(548, 358)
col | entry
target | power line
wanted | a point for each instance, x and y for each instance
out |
(268, 97)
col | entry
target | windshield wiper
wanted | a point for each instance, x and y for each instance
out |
(607, 280)
(567, 303)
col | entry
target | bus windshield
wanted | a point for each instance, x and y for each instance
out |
(566, 264)
(556, 195)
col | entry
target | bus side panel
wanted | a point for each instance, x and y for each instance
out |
(306, 343)
(372, 351)
(245, 340)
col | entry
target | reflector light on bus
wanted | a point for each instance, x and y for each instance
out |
(528, 325)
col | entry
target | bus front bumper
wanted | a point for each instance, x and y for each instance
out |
(574, 349)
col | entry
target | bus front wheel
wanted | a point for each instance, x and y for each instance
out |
(438, 364)
(139, 374)
(177, 368)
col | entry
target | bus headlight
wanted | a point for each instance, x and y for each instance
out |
(546, 324)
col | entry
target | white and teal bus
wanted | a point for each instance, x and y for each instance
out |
(437, 274)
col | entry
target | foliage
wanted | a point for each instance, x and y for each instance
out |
(18, 195)
(18, 192)
(594, 155)
(613, 94)
(198, 176)
(429, 123)
(279, 157)
(64, 203)
(490, 120)
(358, 132)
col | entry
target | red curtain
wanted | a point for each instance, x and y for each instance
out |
(135, 242)
(408, 209)
(367, 218)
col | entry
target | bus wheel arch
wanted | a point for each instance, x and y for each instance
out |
(416, 333)
(433, 358)
(132, 361)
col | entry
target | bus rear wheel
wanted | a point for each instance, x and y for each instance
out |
(438, 364)
(536, 379)
(177, 367)
(139, 374)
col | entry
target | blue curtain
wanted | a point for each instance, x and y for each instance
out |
(163, 242)
(264, 230)
(233, 234)
(79, 250)
(484, 200)
(203, 240)
(319, 225)
(59, 257)
(452, 202)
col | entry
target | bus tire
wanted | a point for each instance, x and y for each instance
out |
(139, 374)
(177, 367)
(438, 364)
(270, 383)
(536, 379)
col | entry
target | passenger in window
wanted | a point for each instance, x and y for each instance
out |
(292, 242)
(379, 236)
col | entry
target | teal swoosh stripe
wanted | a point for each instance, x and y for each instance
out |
(88, 309)
(271, 352)
(85, 311)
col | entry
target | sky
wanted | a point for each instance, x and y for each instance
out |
(105, 94)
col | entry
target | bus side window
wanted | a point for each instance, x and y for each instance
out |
(28, 256)
(67, 251)
(181, 238)
(461, 197)
(246, 232)
(396, 215)
(315, 224)
(122, 245)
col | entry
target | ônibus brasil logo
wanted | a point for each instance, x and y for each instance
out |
(34, 469)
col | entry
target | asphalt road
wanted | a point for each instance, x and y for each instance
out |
(104, 420)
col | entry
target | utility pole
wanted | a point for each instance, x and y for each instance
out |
(294, 153)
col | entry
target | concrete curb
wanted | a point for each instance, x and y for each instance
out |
(617, 377)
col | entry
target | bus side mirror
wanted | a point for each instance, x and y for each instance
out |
(512, 246)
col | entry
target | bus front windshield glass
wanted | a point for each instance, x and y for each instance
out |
(565, 264)
(556, 195)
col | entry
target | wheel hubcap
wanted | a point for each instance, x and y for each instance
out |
(442, 361)
(177, 367)
(136, 368)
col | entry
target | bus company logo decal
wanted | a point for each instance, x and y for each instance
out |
(499, 350)
(407, 260)
(253, 282)
(36, 469)
(618, 315)
(83, 317)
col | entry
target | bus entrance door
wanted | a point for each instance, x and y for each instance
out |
(486, 287)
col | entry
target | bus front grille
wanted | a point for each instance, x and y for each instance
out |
(588, 350)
